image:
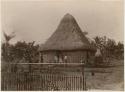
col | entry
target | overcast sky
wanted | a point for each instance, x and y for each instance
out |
(37, 20)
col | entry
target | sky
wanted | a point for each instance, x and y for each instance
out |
(36, 20)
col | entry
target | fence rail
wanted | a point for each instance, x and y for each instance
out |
(42, 81)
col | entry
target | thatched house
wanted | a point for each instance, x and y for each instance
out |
(67, 44)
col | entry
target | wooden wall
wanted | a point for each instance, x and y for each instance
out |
(72, 56)
(75, 56)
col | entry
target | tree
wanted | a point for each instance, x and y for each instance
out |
(119, 51)
(8, 37)
(6, 55)
(6, 46)
(109, 48)
(100, 43)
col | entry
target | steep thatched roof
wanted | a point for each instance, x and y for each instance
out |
(68, 36)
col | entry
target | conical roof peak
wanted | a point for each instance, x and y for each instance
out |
(68, 17)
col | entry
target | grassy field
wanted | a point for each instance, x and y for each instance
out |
(106, 78)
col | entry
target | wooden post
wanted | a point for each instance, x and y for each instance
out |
(83, 76)
(87, 56)
(39, 57)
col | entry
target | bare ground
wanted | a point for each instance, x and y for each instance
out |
(112, 79)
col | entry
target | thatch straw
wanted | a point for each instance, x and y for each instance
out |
(68, 36)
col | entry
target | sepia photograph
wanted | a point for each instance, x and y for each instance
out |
(62, 45)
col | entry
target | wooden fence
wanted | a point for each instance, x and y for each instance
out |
(39, 81)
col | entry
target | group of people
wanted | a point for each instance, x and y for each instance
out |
(60, 59)
(64, 58)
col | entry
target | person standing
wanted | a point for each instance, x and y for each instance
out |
(65, 59)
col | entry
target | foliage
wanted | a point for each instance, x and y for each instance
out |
(20, 51)
(108, 47)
